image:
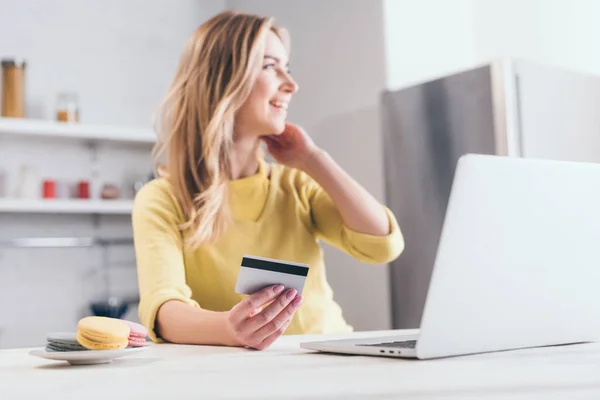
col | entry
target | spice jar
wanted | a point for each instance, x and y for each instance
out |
(13, 88)
(67, 107)
(109, 192)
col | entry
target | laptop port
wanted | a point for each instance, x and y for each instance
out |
(382, 351)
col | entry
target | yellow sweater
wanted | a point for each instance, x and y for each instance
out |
(280, 216)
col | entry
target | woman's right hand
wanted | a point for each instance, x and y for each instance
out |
(251, 326)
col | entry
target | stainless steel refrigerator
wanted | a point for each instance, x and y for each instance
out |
(507, 107)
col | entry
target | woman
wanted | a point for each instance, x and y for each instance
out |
(218, 199)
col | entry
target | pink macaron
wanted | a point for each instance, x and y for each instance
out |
(137, 334)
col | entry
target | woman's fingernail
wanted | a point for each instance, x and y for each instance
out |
(297, 301)
(290, 294)
(278, 289)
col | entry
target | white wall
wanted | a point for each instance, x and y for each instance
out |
(429, 38)
(338, 60)
(425, 39)
(562, 33)
(119, 56)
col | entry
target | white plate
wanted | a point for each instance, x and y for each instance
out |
(87, 357)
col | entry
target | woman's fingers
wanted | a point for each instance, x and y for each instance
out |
(269, 340)
(258, 328)
(240, 312)
(278, 324)
(269, 313)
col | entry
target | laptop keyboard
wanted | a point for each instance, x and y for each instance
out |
(404, 344)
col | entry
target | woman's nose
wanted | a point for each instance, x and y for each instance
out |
(290, 86)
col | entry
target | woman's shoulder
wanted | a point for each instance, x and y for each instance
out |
(157, 193)
(154, 188)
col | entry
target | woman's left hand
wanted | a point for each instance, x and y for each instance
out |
(293, 147)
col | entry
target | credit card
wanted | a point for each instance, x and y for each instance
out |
(257, 273)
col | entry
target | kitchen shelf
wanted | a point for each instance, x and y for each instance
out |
(55, 242)
(18, 127)
(66, 206)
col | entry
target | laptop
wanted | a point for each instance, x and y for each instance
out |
(517, 264)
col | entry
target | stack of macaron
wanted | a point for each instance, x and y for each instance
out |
(99, 333)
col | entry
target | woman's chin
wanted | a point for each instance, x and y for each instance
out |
(275, 132)
(279, 128)
(273, 129)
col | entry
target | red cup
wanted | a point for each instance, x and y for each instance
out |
(83, 190)
(49, 191)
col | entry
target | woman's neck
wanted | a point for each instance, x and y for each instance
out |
(244, 162)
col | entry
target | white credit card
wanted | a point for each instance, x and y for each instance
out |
(257, 273)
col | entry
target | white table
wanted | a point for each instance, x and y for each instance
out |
(287, 372)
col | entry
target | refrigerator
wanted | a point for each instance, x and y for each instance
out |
(516, 108)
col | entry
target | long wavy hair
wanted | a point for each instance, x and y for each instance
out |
(216, 72)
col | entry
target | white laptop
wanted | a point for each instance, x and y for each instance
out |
(517, 266)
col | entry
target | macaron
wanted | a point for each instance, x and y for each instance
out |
(102, 333)
(137, 334)
(63, 341)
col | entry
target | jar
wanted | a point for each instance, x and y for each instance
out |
(67, 107)
(13, 88)
(27, 184)
(49, 189)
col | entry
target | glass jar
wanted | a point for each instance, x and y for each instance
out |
(67, 107)
(13, 88)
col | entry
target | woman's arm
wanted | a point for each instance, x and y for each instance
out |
(247, 324)
(342, 212)
(166, 307)
(359, 210)
(178, 322)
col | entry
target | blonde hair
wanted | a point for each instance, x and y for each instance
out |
(215, 75)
